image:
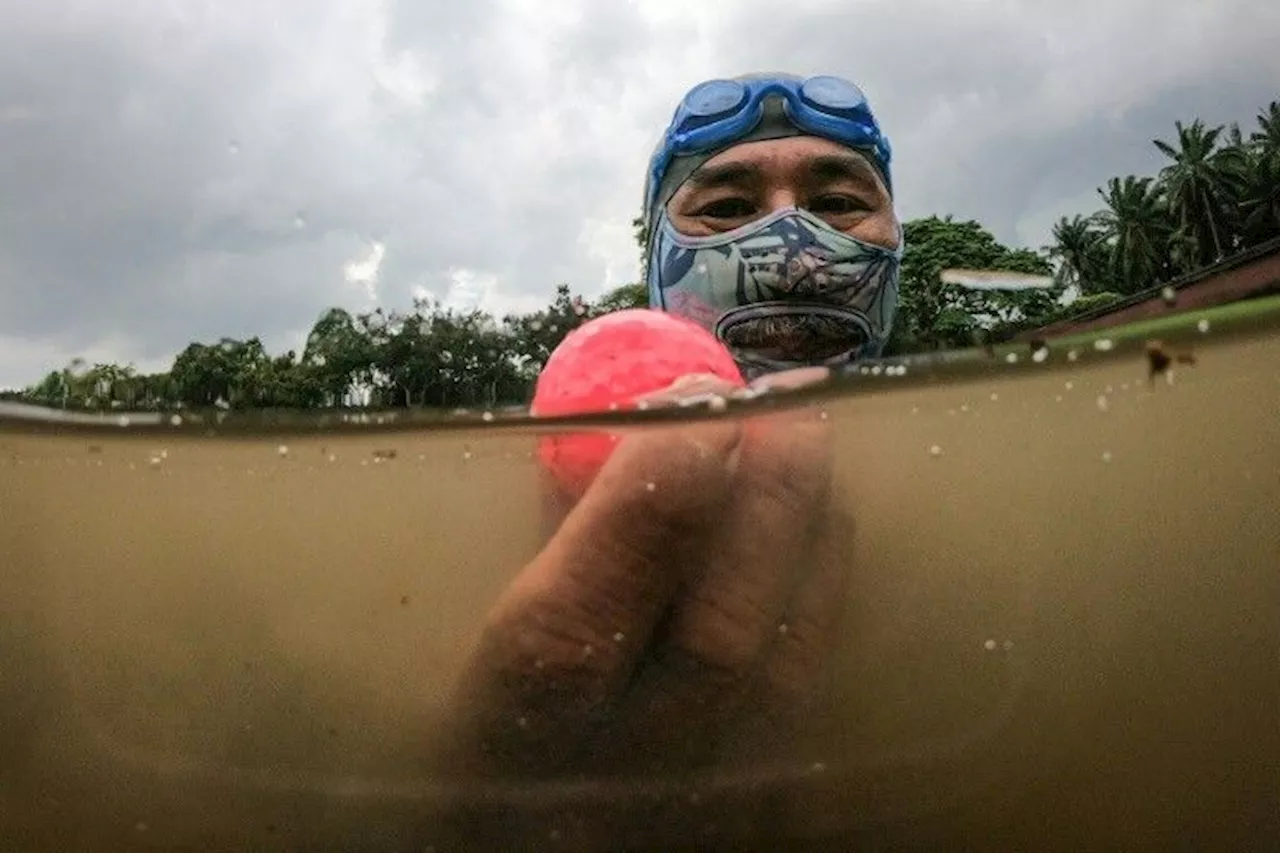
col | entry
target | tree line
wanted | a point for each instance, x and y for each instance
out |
(1218, 194)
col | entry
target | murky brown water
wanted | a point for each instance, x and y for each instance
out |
(1066, 629)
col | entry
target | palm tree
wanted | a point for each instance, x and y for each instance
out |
(1136, 222)
(1202, 185)
(1080, 249)
(1259, 209)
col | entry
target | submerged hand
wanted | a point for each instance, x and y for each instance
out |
(685, 607)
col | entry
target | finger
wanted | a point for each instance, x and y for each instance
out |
(797, 667)
(729, 613)
(792, 380)
(571, 625)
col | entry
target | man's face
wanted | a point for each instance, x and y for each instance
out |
(755, 179)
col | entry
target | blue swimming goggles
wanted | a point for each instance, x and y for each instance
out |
(718, 112)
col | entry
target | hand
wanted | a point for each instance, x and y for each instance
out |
(683, 613)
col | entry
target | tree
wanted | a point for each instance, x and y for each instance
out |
(933, 314)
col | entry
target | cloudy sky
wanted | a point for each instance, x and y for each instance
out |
(174, 170)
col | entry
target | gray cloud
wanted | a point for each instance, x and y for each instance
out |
(213, 169)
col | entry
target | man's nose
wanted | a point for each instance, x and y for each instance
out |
(781, 198)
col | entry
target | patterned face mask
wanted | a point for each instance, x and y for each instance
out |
(784, 291)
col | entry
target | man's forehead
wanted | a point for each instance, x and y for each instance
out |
(811, 157)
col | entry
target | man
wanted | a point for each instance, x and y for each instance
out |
(684, 611)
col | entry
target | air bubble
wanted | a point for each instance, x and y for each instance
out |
(154, 461)
(717, 403)
(994, 396)
(782, 629)
(333, 458)
(1070, 386)
(123, 420)
(1203, 326)
(989, 645)
(176, 420)
(1040, 355)
(1169, 295)
(1073, 355)
(619, 637)
(877, 370)
(1103, 345)
(487, 416)
(1012, 358)
(466, 454)
(935, 450)
(283, 450)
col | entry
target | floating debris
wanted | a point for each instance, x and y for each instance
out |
(1160, 358)
(1169, 295)
(935, 450)
(283, 450)
(1203, 326)
(1106, 456)
(1104, 345)
(382, 455)
(1103, 404)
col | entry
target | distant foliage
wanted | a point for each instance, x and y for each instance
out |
(1218, 194)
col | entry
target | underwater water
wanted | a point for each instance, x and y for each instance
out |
(1064, 630)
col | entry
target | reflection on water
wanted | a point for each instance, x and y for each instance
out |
(1063, 628)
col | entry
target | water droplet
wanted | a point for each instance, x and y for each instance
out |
(1057, 398)
(1106, 456)
(588, 650)
(650, 487)
(1169, 295)
(1007, 645)
(522, 722)
(1040, 355)
(935, 450)
(642, 405)
(176, 420)
(1124, 386)
(299, 221)
(123, 420)
(1103, 405)
(994, 397)
(487, 416)
(1110, 389)
(877, 370)
(964, 407)
(782, 629)
(1103, 344)
(1203, 326)
(1012, 358)
(818, 767)
(233, 147)
(283, 450)
(1070, 386)
(989, 645)
(466, 454)
(717, 403)
(619, 637)
(1073, 355)
(915, 410)
(155, 461)
(333, 458)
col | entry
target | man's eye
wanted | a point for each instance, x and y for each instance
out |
(837, 204)
(727, 208)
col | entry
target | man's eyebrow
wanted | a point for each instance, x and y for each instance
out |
(730, 174)
(842, 167)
